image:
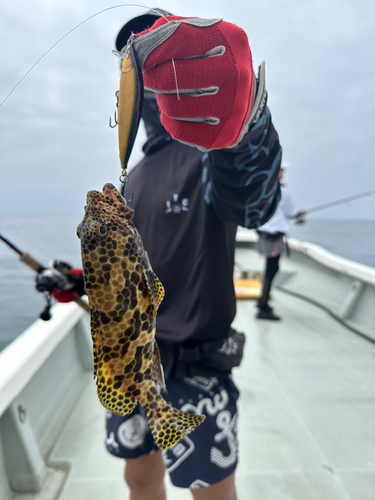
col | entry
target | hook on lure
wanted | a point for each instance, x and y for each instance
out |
(116, 122)
(110, 119)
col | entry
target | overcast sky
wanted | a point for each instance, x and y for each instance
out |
(55, 142)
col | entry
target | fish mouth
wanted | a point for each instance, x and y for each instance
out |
(110, 200)
(113, 194)
(109, 194)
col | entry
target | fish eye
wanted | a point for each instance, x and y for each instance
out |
(103, 229)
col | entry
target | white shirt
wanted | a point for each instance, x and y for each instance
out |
(279, 223)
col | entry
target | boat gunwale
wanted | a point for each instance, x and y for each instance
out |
(322, 256)
(23, 357)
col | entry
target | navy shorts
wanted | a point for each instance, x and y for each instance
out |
(207, 455)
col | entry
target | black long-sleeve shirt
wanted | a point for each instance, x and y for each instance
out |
(187, 207)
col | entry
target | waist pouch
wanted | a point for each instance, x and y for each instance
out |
(270, 236)
(223, 354)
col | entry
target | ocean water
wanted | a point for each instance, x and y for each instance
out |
(48, 237)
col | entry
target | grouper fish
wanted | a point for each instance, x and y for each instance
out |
(124, 295)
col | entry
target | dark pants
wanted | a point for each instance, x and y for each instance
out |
(272, 267)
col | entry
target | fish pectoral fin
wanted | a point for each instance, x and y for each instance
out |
(157, 369)
(169, 425)
(155, 288)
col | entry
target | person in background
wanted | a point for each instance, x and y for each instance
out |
(211, 163)
(272, 244)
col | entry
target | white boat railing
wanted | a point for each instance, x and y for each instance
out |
(28, 352)
(340, 264)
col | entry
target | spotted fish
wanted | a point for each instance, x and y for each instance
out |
(124, 295)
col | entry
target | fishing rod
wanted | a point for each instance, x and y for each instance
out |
(49, 279)
(340, 201)
(324, 206)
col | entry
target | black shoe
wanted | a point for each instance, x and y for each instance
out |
(265, 314)
(264, 308)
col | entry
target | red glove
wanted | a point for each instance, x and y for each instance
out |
(76, 271)
(64, 295)
(201, 70)
(68, 295)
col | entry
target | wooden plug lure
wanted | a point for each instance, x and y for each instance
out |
(130, 105)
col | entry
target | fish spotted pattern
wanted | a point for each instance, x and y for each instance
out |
(124, 294)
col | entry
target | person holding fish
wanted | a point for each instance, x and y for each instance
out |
(211, 162)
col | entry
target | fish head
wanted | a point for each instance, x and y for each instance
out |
(102, 212)
(105, 227)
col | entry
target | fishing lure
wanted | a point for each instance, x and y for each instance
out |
(130, 105)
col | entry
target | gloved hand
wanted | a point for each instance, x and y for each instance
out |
(300, 217)
(201, 70)
(64, 295)
(75, 277)
(63, 287)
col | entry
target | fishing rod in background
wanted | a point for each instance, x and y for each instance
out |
(341, 201)
(59, 280)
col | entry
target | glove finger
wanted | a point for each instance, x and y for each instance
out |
(177, 39)
(212, 101)
(193, 74)
(192, 84)
(201, 135)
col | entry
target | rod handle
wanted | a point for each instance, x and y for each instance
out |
(27, 259)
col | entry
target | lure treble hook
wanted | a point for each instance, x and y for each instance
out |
(116, 122)
(110, 119)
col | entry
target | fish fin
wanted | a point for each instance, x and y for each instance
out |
(95, 339)
(157, 368)
(113, 400)
(169, 425)
(155, 288)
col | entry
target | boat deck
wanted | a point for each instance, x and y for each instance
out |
(306, 415)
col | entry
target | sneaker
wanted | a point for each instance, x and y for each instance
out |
(265, 314)
(265, 308)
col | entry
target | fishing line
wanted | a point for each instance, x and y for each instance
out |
(327, 310)
(175, 77)
(69, 33)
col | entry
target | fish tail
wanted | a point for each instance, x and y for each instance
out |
(169, 425)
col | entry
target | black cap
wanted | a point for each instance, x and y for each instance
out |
(138, 24)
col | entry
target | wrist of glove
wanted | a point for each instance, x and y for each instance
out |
(201, 71)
